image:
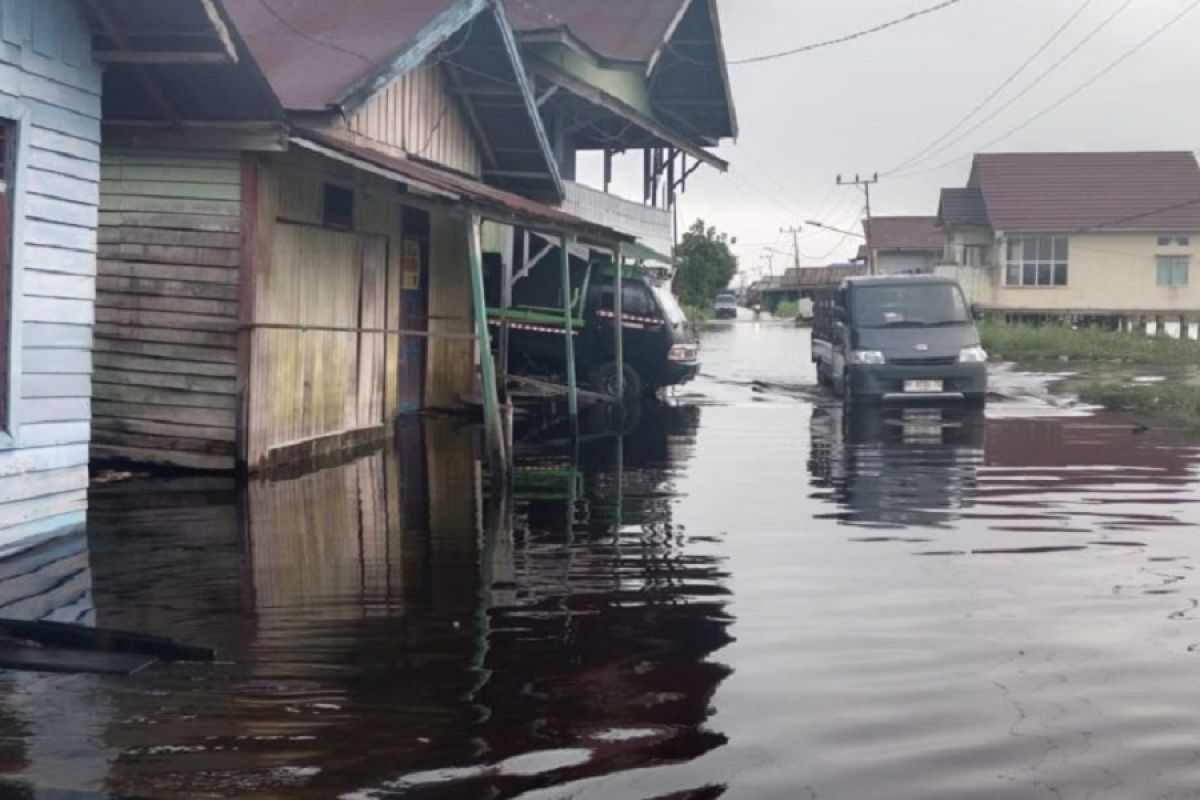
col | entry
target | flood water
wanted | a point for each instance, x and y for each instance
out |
(752, 594)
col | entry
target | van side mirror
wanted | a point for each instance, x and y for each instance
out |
(976, 311)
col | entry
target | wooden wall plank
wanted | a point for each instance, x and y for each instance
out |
(166, 306)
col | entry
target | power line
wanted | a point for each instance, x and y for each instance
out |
(849, 37)
(995, 92)
(1078, 89)
(1104, 23)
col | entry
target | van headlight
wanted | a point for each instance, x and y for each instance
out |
(683, 352)
(867, 357)
(972, 355)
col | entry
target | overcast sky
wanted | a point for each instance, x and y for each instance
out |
(870, 104)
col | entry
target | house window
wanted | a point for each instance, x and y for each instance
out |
(1174, 241)
(975, 255)
(8, 147)
(1036, 261)
(1173, 270)
(338, 207)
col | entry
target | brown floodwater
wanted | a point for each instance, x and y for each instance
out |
(750, 594)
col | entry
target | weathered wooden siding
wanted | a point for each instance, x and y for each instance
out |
(417, 114)
(306, 385)
(450, 366)
(165, 380)
(50, 86)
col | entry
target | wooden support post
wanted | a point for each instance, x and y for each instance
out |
(492, 422)
(506, 300)
(569, 330)
(619, 325)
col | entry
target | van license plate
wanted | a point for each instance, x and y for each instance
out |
(923, 387)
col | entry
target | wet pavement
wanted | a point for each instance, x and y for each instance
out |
(752, 594)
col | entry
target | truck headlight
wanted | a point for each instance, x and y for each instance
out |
(683, 352)
(972, 355)
(867, 357)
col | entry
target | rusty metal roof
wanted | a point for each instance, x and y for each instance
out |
(492, 202)
(905, 233)
(819, 277)
(315, 52)
(1068, 192)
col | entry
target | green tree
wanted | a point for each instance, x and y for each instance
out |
(704, 264)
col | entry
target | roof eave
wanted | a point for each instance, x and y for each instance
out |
(530, 100)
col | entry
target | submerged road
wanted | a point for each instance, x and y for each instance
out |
(751, 595)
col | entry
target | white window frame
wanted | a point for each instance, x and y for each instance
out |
(1174, 261)
(1174, 240)
(1053, 263)
(18, 115)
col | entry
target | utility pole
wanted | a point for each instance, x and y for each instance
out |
(794, 230)
(770, 258)
(865, 184)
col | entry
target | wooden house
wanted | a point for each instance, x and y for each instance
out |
(286, 233)
(49, 187)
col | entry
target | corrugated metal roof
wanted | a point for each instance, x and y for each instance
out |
(622, 30)
(314, 52)
(905, 233)
(962, 207)
(503, 206)
(819, 277)
(1065, 192)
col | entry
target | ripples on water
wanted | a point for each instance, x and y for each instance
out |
(753, 594)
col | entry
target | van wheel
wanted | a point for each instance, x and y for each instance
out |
(604, 380)
(823, 379)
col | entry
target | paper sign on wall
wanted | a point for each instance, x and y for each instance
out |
(410, 265)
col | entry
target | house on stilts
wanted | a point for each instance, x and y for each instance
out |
(289, 264)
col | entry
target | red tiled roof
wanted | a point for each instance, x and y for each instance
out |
(1065, 192)
(622, 30)
(905, 233)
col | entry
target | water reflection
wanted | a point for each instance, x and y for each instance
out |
(897, 466)
(386, 626)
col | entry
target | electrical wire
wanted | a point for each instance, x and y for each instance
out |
(1104, 23)
(1073, 92)
(310, 37)
(995, 92)
(849, 37)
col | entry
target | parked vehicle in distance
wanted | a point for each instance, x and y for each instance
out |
(725, 306)
(660, 347)
(899, 338)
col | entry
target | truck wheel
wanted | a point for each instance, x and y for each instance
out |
(604, 380)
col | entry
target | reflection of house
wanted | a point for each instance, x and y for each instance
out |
(904, 245)
(1083, 234)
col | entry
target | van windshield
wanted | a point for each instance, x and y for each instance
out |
(917, 305)
(670, 306)
(726, 300)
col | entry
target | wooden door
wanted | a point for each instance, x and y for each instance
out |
(414, 310)
(372, 342)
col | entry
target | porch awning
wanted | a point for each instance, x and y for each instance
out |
(488, 201)
(639, 252)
